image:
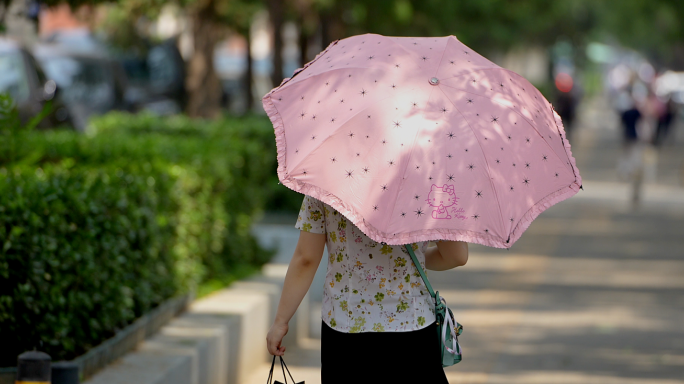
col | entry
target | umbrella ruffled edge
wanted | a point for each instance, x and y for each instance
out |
(414, 236)
(392, 239)
(277, 120)
(541, 206)
(566, 145)
(555, 197)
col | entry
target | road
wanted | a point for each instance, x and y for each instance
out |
(592, 293)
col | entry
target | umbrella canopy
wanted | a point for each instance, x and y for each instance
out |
(417, 139)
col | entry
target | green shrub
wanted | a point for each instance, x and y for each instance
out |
(82, 255)
(97, 229)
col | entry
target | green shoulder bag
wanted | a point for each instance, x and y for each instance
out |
(448, 329)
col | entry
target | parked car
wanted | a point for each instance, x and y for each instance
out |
(97, 78)
(156, 79)
(23, 78)
(91, 82)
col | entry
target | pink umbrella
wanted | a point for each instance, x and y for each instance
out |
(417, 139)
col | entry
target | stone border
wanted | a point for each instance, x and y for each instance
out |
(128, 339)
(220, 339)
(122, 342)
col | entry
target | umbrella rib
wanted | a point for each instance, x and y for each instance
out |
(327, 71)
(484, 155)
(483, 69)
(441, 58)
(494, 101)
(410, 53)
(320, 55)
(339, 127)
(408, 161)
(518, 113)
(289, 81)
(528, 121)
(403, 172)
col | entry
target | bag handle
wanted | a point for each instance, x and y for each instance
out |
(409, 249)
(284, 367)
(270, 373)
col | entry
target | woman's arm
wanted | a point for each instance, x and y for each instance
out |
(446, 255)
(307, 256)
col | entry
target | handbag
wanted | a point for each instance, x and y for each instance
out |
(448, 329)
(283, 366)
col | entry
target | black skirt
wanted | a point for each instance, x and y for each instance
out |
(381, 357)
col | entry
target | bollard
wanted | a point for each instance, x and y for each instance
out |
(33, 367)
(64, 372)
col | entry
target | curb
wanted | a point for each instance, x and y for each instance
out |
(220, 339)
(122, 342)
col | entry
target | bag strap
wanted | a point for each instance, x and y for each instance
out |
(270, 374)
(409, 249)
(284, 367)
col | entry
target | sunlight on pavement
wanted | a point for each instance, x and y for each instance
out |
(549, 377)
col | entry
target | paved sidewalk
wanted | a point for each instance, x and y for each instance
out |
(592, 293)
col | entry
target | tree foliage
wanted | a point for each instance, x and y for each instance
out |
(496, 23)
(652, 26)
(500, 24)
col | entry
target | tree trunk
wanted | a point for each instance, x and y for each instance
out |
(275, 10)
(325, 29)
(3, 11)
(203, 85)
(303, 44)
(249, 76)
(332, 26)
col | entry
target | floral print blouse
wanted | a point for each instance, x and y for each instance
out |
(369, 287)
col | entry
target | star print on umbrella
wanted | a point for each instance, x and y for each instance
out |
(375, 133)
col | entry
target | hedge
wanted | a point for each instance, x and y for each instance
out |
(97, 229)
(82, 255)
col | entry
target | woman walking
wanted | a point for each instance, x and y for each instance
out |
(396, 141)
(376, 310)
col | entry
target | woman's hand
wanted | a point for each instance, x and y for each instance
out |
(298, 279)
(275, 337)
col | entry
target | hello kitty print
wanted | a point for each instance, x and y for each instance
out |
(444, 200)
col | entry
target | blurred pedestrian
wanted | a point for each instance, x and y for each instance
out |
(630, 164)
(566, 107)
(568, 94)
(665, 116)
(630, 117)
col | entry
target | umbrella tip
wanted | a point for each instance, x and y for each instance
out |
(582, 187)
